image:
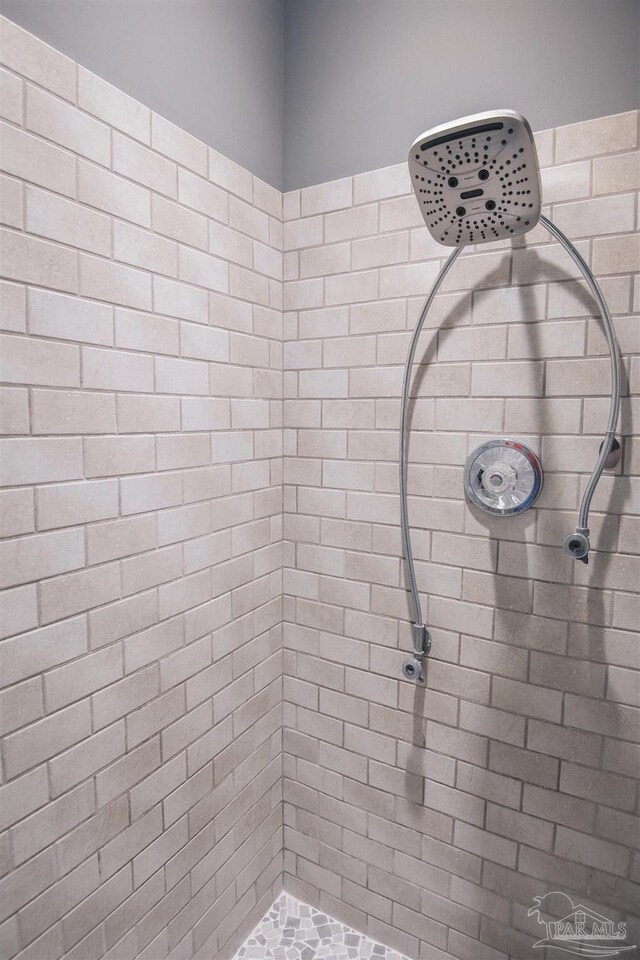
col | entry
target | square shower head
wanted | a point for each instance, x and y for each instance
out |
(477, 179)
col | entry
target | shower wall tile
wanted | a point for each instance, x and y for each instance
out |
(101, 99)
(30, 260)
(148, 593)
(42, 163)
(112, 194)
(67, 126)
(129, 607)
(617, 254)
(613, 174)
(25, 54)
(433, 817)
(326, 196)
(566, 182)
(591, 138)
(602, 215)
(57, 219)
(173, 142)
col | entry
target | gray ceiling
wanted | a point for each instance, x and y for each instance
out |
(303, 91)
(213, 67)
(364, 78)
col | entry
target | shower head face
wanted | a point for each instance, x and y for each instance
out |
(477, 179)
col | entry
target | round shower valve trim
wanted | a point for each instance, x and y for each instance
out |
(502, 477)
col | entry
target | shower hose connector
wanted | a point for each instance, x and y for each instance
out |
(412, 667)
(577, 544)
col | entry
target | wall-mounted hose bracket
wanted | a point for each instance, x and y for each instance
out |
(412, 667)
(421, 640)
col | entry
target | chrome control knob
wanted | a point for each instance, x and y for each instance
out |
(502, 477)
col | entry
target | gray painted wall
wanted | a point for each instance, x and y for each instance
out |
(214, 67)
(364, 78)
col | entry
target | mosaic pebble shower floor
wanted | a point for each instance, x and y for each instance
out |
(292, 930)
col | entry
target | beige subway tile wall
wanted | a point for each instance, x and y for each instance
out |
(431, 817)
(160, 438)
(141, 708)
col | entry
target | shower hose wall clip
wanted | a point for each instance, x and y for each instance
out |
(576, 544)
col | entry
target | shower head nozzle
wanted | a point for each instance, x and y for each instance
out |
(477, 179)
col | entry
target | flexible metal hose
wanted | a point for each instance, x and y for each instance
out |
(406, 385)
(420, 631)
(614, 351)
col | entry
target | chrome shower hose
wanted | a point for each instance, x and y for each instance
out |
(582, 529)
(576, 545)
(421, 641)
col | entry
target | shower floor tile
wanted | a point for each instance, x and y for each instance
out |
(295, 931)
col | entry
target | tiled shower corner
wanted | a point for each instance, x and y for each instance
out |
(204, 602)
(293, 930)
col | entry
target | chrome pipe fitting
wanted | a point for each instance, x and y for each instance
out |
(412, 668)
(577, 544)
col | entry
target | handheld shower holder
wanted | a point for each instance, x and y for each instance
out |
(421, 640)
